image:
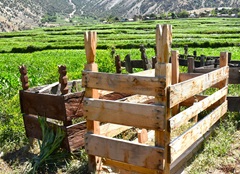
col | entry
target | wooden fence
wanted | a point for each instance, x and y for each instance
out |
(234, 78)
(170, 89)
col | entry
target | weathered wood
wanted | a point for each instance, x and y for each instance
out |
(147, 73)
(183, 142)
(234, 75)
(118, 64)
(184, 90)
(63, 79)
(191, 64)
(129, 114)
(142, 136)
(184, 116)
(187, 76)
(90, 40)
(46, 105)
(163, 68)
(145, 64)
(180, 163)
(111, 130)
(48, 87)
(175, 75)
(75, 135)
(124, 151)
(74, 105)
(73, 140)
(24, 77)
(128, 64)
(129, 167)
(123, 83)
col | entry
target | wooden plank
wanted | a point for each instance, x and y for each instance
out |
(129, 167)
(234, 74)
(137, 63)
(74, 105)
(46, 105)
(75, 135)
(180, 163)
(48, 87)
(123, 83)
(187, 114)
(186, 76)
(124, 151)
(129, 114)
(184, 90)
(147, 73)
(111, 130)
(181, 143)
(175, 75)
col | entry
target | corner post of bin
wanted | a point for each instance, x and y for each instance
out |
(163, 68)
(90, 41)
(175, 75)
(24, 82)
(63, 79)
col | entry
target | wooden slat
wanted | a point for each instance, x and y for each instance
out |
(234, 73)
(46, 105)
(129, 114)
(178, 166)
(187, 76)
(124, 151)
(73, 105)
(186, 89)
(147, 73)
(183, 142)
(129, 167)
(111, 130)
(187, 114)
(123, 83)
(75, 135)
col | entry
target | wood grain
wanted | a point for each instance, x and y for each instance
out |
(124, 151)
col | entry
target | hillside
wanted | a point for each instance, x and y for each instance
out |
(25, 14)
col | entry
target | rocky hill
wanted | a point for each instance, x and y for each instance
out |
(25, 14)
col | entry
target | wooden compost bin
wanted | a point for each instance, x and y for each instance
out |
(161, 114)
(61, 104)
(59, 109)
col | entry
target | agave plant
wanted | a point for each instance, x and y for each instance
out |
(50, 152)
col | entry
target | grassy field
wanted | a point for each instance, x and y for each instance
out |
(43, 49)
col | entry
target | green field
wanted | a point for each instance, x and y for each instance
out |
(43, 49)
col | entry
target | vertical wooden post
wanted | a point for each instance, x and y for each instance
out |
(90, 39)
(63, 79)
(175, 75)
(163, 68)
(24, 77)
(223, 61)
(128, 64)
(195, 54)
(118, 64)
(144, 58)
(191, 64)
(186, 51)
(202, 61)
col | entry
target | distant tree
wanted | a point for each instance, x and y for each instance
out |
(183, 14)
(174, 16)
